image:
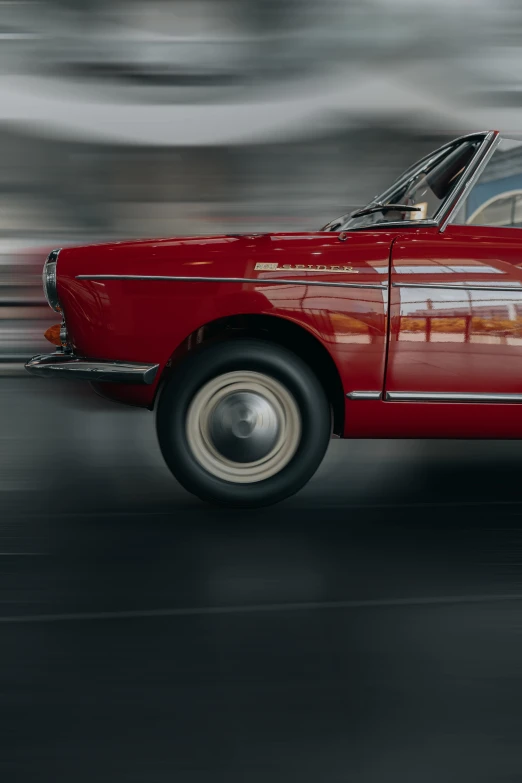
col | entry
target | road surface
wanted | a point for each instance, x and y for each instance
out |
(367, 630)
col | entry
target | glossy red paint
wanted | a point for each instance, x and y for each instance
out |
(451, 339)
(147, 320)
(406, 307)
(380, 419)
(440, 339)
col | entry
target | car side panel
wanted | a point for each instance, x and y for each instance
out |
(456, 311)
(453, 329)
(146, 320)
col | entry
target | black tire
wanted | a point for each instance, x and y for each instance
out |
(250, 356)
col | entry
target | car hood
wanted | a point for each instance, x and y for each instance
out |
(364, 253)
(199, 256)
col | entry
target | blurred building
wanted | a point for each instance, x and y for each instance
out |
(496, 200)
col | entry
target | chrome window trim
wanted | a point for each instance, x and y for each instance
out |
(364, 395)
(255, 280)
(484, 152)
(460, 286)
(451, 397)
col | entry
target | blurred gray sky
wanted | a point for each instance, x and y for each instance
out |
(164, 117)
(203, 72)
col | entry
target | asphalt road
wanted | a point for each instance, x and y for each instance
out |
(367, 630)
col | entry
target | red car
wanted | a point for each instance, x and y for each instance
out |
(401, 320)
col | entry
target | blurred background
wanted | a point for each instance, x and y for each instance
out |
(130, 118)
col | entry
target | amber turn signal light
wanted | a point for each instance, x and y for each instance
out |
(53, 334)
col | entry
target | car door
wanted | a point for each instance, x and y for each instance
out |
(456, 315)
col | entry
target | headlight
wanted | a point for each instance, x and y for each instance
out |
(49, 281)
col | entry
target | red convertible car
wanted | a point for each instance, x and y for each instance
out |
(403, 319)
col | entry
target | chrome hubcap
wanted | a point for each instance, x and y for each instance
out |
(243, 426)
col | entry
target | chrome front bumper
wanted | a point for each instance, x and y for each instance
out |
(66, 365)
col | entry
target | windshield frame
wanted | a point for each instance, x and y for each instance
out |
(446, 210)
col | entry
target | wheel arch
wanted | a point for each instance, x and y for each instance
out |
(278, 330)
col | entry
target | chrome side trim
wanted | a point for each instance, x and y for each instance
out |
(451, 397)
(491, 142)
(460, 286)
(65, 365)
(256, 280)
(364, 395)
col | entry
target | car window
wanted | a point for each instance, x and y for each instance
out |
(420, 193)
(496, 197)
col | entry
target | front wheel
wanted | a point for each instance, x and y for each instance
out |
(243, 423)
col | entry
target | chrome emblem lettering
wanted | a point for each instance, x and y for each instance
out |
(264, 267)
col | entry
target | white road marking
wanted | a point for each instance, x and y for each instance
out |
(377, 603)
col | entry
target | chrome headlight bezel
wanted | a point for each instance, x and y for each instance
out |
(49, 281)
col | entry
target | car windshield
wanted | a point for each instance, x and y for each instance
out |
(419, 193)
